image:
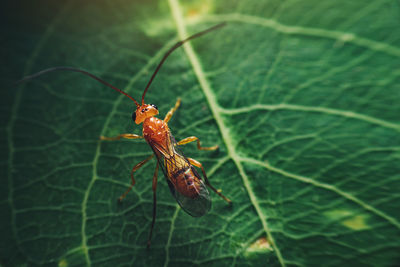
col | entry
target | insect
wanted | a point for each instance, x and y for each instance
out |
(185, 184)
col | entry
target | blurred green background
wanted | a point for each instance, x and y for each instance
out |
(301, 96)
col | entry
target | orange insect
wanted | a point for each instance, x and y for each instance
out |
(183, 180)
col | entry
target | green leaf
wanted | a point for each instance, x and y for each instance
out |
(301, 96)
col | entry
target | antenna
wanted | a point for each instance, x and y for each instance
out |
(62, 68)
(178, 44)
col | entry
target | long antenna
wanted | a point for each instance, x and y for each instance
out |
(178, 44)
(33, 76)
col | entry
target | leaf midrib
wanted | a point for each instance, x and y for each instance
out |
(211, 98)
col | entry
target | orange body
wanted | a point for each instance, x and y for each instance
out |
(176, 167)
(156, 131)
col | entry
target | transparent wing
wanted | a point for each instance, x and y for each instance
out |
(183, 180)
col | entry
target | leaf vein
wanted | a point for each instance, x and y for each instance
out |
(330, 34)
(329, 187)
(331, 111)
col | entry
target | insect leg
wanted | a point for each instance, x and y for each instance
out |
(194, 138)
(154, 205)
(172, 110)
(199, 165)
(118, 137)
(135, 168)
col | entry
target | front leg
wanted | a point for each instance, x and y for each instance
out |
(118, 137)
(172, 110)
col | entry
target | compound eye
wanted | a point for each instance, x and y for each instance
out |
(134, 116)
(154, 106)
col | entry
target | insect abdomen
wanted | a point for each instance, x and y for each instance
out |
(186, 182)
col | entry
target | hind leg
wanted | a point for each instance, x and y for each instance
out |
(154, 205)
(218, 192)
